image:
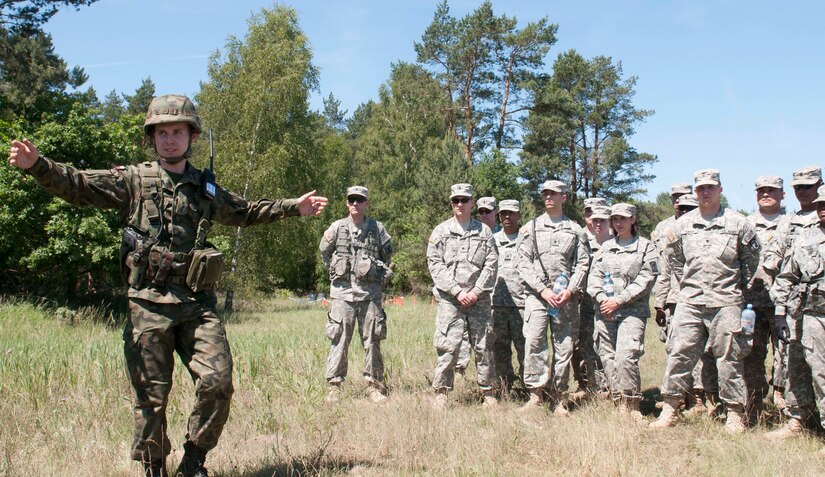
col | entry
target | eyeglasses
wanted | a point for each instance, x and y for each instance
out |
(484, 211)
(356, 199)
(460, 200)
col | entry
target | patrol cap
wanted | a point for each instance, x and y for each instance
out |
(600, 212)
(623, 209)
(591, 202)
(820, 194)
(486, 203)
(681, 188)
(554, 185)
(774, 182)
(706, 177)
(461, 190)
(358, 190)
(687, 200)
(508, 204)
(806, 176)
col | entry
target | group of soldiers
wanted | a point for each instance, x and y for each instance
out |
(496, 288)
(576, 299)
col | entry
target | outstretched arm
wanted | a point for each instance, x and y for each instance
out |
(309, 204)
(23, 154)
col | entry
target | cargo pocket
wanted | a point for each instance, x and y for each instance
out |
(739, 345)
(441, 339)
(380, 330)
(334, 328)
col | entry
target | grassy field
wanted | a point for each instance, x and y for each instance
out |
(65, 406)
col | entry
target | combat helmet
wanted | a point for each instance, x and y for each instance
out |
(171, 108)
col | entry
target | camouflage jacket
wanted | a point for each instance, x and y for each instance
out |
(665, 289)
(633, 268)
(712, 260)
(357, 258)
(180, 206)
(509, 289)
(562, 248)
(757, 291)
(803, 274)
(462, 261)
(789, 227)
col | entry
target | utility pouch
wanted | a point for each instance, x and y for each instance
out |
(339, 268)
(205, 269)
(164, 264)
(362, 270)
(134, 250)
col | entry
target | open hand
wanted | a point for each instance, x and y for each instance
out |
(309, 204)
(23, 154)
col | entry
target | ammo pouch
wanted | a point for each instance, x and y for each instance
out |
(339, 268)
(364, 270)
(205, 269)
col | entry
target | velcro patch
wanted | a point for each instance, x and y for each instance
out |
(654, 266)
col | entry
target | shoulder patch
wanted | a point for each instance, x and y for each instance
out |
(654, 266)
(434, 238)
(120, 168)
(328, 236)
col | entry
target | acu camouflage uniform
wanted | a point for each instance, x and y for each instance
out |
(799, 293)
(633, 268)
(764, 333)
(712, 261)
(587, 366)
(562, 248)
(459, 261)
(508, 310)
(357, 257)
(165, 315)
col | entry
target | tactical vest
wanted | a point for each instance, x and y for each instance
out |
(347, 259)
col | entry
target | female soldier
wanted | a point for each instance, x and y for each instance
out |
(621, 313)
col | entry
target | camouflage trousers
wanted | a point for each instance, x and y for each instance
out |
(806, 367)
(464, 353)
(451, 321)
(756, 380)
(621, 345)
(372, 328)
(539, 371)
(507, 324)
(716, 332)
(154, 333)
(704, 376)
(587, 366)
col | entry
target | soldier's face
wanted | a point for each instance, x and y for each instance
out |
(820, 212)
(553, 200)
(172, 139)
(356, 205)
(509, 219)
(601, 227)
(488, 217)
(805, 193)
(769, 198)
(673, 199)
(623, 225)
(709, 195)
(462, 206)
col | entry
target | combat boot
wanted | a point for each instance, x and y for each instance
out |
(192, 463)
(697, 402)
(668, 417)
(155, 469)
(713, 405)
(560, 404)
(792, 428)
(490, 401)
(735, 423)
(630, 405)
(333, 394)
(441, 401)
(534, 402)
(376, 393)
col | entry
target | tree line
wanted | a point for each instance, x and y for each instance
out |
(487, 101)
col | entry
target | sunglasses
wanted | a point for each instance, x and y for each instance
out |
(460, 200)
(356, 199)
(484, 211)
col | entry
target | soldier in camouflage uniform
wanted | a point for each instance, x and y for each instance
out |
(769, 195)
(462, 259)
(587, 367)
(621, 315)
(356, 251)
(665, 291)
(549, 246)
(798, 304)
(486, 214)
(166, 210)
(713, 252)
(508, 297)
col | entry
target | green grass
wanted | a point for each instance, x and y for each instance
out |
(66, 402)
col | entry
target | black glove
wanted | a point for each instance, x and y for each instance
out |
(781, 327)
(661, 318)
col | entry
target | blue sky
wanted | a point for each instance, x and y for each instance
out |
(736, 85)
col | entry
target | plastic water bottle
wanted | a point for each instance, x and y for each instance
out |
(748, 319)
(609, 287)
(558, 286)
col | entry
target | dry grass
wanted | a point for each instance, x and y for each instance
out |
(66, 411)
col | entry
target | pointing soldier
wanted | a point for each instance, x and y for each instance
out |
(357, 251)
(167, 211)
